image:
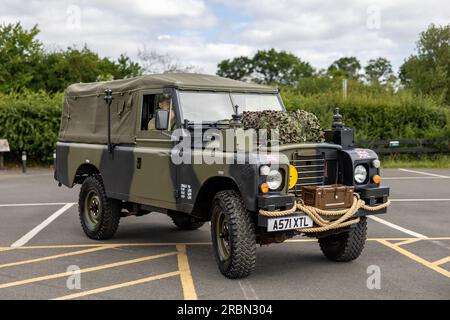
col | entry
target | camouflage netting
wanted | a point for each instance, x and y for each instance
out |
(297, 126)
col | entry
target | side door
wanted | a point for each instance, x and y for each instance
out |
(155, 180)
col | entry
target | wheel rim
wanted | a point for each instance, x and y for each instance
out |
(93, 208)
(223, 236)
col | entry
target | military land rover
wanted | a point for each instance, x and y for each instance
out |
(123, 140)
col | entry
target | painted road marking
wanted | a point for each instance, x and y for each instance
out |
(187, 283)
(41, 226)
(91, 269)
(152, 244)
(416, 258)
(397, 227)
(184, 272)
(88, 245)
(402, 243)
(424, 173)
(118, 286)
(248, 290)
(442, 261)
(33, 204)
(413, 178)
(57, 256)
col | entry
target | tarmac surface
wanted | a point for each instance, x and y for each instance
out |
(45, 255)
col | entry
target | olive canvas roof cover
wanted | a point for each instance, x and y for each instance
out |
(84, 116)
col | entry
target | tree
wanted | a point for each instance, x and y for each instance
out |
(19, 53)
(240, 68)
(57, 70)
(428, 71)
(267, 66)
(379, 71)
(347, 67)
(126, 68)
(156, 62)
(279, 67)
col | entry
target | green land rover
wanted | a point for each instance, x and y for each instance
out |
(172, 143)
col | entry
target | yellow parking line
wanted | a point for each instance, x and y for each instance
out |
(416, 258)
(69, 246)
(401, 243)
(91, 269)
(56, 256)
(118, 286)
(187, 282)
(156, 244)
(442, 261)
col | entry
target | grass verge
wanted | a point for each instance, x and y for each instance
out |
(435, 161)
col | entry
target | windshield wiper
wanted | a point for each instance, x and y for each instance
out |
(209, 124)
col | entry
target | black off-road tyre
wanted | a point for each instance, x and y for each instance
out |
(104, 224)
(346, 246)
(228, 211)
(186, 222)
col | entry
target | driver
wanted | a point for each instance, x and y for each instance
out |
(163, 103)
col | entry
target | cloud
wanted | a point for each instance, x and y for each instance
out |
(202, 33)
(321, 31)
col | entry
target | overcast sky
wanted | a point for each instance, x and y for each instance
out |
(202, 33)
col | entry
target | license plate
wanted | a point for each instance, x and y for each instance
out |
(289, 223)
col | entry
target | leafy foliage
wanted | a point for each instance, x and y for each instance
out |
(428, 71)
(376, 114)
(347, 67)
(30, 122)
(25, 65)
(267, 67)
(379, 71)
(19, 53)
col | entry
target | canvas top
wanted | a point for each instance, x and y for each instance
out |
(84, 116)
(185, 81)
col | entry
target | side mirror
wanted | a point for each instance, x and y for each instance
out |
(162, 119)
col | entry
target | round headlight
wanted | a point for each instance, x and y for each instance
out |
(274, 179)
(360, 174)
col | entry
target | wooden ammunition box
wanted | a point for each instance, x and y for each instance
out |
(335, 196)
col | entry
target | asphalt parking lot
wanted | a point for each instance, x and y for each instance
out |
(41, 243)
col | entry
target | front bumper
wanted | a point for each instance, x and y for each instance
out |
(274, 201)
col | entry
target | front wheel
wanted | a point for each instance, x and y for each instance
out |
(346, 246)
(233, 235)
(99, 215)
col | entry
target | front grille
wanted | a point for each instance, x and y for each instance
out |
(311, 171)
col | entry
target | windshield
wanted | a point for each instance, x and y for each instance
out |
(214, 106)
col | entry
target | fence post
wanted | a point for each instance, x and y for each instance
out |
(24, 162)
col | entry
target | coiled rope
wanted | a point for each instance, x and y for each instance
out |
(318, 215)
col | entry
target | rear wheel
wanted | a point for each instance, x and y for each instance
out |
(233, 235)
(184, 222)
(346, 246)
(99, 215)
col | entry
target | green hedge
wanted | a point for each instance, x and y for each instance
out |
(30, 122)
(377, 115)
